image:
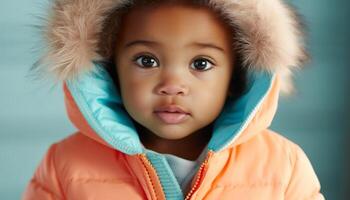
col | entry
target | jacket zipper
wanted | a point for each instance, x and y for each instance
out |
(146, 162)
(199, 177)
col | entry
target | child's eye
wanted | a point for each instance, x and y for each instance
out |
(146, 61)
(202, 64)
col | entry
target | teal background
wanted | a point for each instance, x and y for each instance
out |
(32, 114)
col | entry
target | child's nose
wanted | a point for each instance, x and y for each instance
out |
(173, 84)
(173, 89)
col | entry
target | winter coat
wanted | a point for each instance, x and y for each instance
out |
(104, 158)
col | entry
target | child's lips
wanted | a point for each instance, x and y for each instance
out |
(172, 117)
(172, 114)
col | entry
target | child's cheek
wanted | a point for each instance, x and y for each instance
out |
(137, 95)
(210, 101)
(213, 91)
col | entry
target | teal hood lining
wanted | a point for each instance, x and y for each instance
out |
(100, 103)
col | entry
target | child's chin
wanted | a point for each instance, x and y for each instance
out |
(172, 136)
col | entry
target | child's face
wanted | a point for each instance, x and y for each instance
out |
(162, 60)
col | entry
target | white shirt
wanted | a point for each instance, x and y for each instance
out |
(184, 169)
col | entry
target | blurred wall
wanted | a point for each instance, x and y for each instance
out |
(33, 116)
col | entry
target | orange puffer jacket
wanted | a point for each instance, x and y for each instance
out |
(104, 159)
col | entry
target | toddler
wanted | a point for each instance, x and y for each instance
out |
(172, 99)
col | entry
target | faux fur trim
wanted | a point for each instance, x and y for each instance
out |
(269, 35)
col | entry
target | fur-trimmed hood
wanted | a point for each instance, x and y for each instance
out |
(268, 33)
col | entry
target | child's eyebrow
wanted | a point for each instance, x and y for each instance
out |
(138, 42)
(207, 45)
(153, 43)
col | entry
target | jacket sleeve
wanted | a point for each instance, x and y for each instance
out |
(44, 184)
(303, 183)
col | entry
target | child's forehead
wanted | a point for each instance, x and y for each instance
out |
(180, 21)
(161, 10)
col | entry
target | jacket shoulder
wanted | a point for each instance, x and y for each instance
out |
(268, 162)
(79, 158)
(299, 177)
(280, 146)
(78, 167)
(278, 139)
(272, 145)
(303, 182)
(268, 158)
